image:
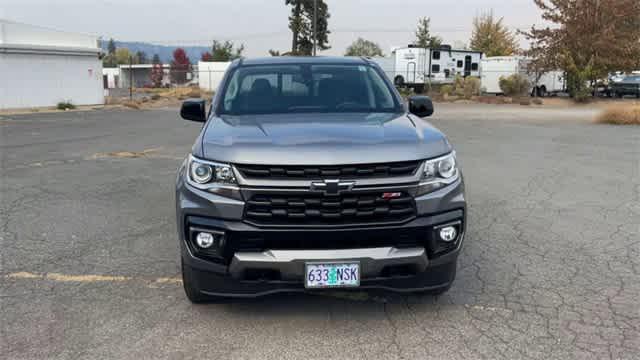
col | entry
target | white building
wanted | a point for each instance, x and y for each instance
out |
(111, 77)
(141, 75)
(210, 74)
(41, 67)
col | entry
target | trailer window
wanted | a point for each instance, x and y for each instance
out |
(474, 67)
(436, 55)
(435, 68)
(460, 63)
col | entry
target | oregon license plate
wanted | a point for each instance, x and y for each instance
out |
(327, 275)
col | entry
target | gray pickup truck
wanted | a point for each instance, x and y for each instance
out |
(311, 173)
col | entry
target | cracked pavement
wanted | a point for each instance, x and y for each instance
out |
(89, 264)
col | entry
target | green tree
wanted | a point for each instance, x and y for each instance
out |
(122, 56)
(424, 39)
(362, 47)
(156, 59)
(588, 39)
(111, 47)
(225, 51)
(301, 23)
(141, 57)
(492, 37)
(274, 52)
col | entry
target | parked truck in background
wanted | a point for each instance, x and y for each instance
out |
(542, 83)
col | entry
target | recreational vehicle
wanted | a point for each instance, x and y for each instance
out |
(415, 67)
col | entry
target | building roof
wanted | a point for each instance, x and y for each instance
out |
(18, 34)
(141, 66)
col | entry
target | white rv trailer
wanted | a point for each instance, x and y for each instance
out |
(415, 67)
(542, 84)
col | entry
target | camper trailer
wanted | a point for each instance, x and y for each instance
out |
(415, 67)
(542, 83)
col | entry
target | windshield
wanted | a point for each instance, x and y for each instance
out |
(270, 89)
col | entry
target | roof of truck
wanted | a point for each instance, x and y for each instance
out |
(279, 60)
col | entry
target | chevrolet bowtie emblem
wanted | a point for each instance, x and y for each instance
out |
(332, 187)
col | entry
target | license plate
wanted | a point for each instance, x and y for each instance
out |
(329, 275)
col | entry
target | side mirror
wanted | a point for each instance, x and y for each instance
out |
(420, 105)
(194, 110)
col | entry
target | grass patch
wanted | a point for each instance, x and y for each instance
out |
(622, 114)
(132, 105)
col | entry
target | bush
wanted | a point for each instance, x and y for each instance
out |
(514, 85)
(627, 114)
(462, 87)
(405, 92)
(537, 101)
(471, 87)
(446, 90)
(458, 85)
(155, 97)
(65, 105)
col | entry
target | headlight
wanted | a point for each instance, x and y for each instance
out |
(438, 173)
(207, 172)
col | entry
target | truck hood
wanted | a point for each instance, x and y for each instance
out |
(319, 139)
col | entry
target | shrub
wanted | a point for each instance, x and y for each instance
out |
(525, 101)
(471, 87)
(537, 101)
(65, 105)
(155, 97)
(514, 85)
(458, 85)
(405, 92)
(627, 114)
(446, 90)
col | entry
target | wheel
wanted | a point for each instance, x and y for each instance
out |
(193, 293)
(542, 91)
(398, 80)
(534, 91)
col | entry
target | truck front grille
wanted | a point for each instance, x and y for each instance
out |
(318, 209)
(324, 172)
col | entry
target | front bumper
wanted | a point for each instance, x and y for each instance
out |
(258, 260)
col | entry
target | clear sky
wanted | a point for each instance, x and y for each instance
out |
(262, 24)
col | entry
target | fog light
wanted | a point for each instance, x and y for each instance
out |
(448, 233)
(205, 240)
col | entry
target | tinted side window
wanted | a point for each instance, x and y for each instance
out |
(460, 63)
(435, 68)
(474, 67)
(436, 55)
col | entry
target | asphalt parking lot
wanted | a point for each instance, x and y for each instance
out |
(550, 269)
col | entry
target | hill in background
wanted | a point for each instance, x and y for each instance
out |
(164, 51)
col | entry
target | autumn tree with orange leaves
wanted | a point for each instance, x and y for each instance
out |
(587, 39)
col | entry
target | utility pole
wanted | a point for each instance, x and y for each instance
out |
(315, 25)
(130, 77)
